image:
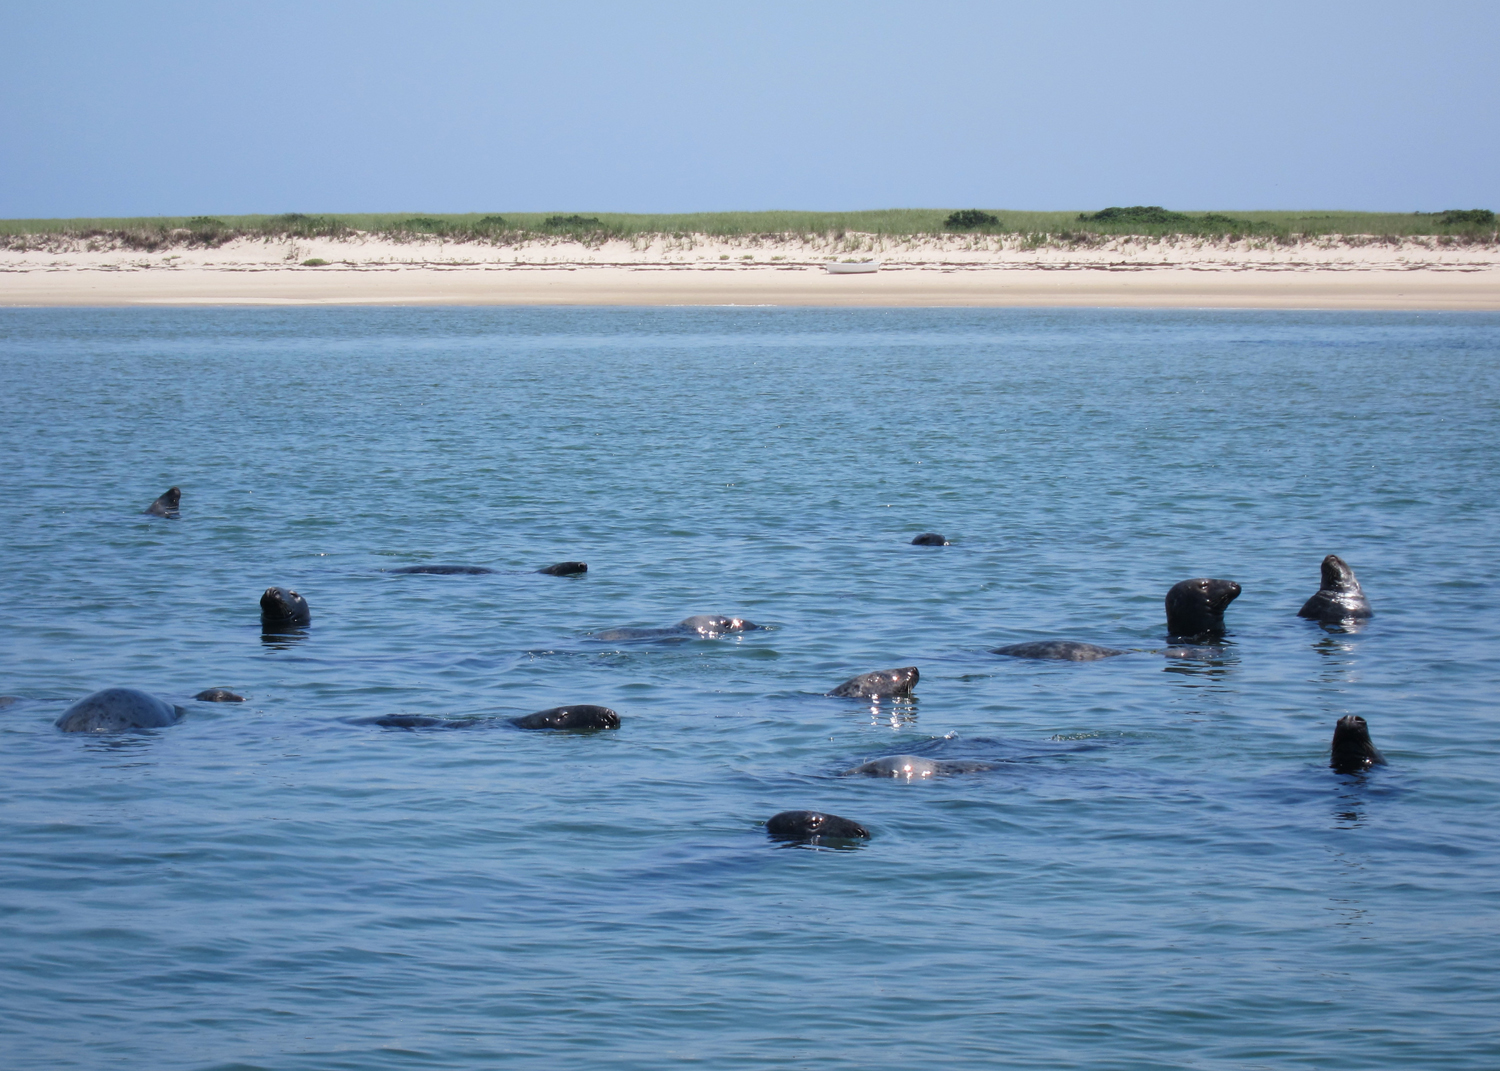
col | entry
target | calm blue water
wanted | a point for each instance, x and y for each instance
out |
(1160, 872)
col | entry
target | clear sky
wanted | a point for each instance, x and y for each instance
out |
(150, 108)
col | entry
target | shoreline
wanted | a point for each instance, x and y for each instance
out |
(927, 271)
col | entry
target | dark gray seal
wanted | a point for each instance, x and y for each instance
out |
(416, 721)
(930, 539)
(116, 710)
(881, 684)
(281, 608)
(575, 717)
(915, 767)
(704, 626)
(1059, 650)
(166, 505)
(1340, 598)
(565, 569)
(1352, 750)
(218, 695)
(1195, 608)
(814, 827)
(442, 570)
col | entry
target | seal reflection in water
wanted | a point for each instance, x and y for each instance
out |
(1339, 597)
(581, 717)
(166, 504)
(882, 684)
(814, 827)
(281, 608)
(1353, 751)
(116, 710)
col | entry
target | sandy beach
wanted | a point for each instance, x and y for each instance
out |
(1326, 273)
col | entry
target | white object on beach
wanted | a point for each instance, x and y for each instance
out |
(851, 267)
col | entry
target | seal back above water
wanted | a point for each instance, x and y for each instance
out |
(565, 569)
(1059, 650)
(441, 570)
(930, 539)
(881, 684)
(166, 504)
(1353, 750)
(582, 716)
(1195, 608)
(1339, 597)
(814, 826)
(705, 626)
(116, 710)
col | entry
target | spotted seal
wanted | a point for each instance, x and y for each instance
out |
(703, 626)
(582, 716)
(1059, 650)
(1339, 597)
(814, 827)
(1195, 609)
(1352, 750)
(930, 539)
(281, 608)
(166, 504)
(881, 684)
(116, 710)
(218, 695)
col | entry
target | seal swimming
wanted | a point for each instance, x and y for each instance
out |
(565, 569)
(915, 767)
(1059, 650)
(1352, 750)
(218, 695)
(560, 569)
(281, 608)
(704, 626)
(814, 827)
(1195, 608)
(578, 717)
(930, 539)
(1339, 597)
(115, 710)
(166, 504)
(881, 684)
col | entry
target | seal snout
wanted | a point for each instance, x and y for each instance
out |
(814, 827)
(283, 608)
(1353, 751)
(1195, 608)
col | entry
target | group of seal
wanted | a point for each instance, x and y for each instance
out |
(1194, 609)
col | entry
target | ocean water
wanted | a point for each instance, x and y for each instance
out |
(1159, 871)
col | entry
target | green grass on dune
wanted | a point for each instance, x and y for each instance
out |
(156, 232)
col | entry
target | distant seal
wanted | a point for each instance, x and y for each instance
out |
(914, 767)
(281, 608)
(218, 695)
(814, 827)
(1352, 749)
(706, 626)
(1059, 650)
(166, 504)
(416, 721)
(1195, 608)
(575, 717)
(565, 569)
(881, 684)
(1340, 597)
(930, 539)
(116, 710)
(442, 570)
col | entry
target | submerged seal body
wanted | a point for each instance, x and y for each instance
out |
(914, 767)
(416, 721)
(930, 539)
(1195, 608)
(218, 695)
(574, 717)
(166, 504)
(116, 710)
(881, 684)
(1339, 597)
(814, 827)
(1059, 650)
(1352, 749)
(442, 570)
(565, 569)
(705, 626)
(281, 608)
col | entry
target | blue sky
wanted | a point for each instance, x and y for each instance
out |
(112, 109)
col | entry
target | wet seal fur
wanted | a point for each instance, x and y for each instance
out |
(1059, 650)
(881, 684)
(1339, 597)
(1195, 608)
(704, 626)
(930, 539)
(583, 717)
(416, 721)
(814, 827)
(560, 569)
(166, 504)
(281, 608)
(1352, 750)
(218, 695)
(565, 569)
(915, 767)
(116, 710)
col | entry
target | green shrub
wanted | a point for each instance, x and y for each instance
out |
(1135, 214)
(491, 221)
(425, 225)
(314, 262)
(968, 219)
(1457, 217)
(558, 223)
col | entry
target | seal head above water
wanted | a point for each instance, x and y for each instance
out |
(915, 767)
(704, 626)
(166, 504)
(281, 608)
(1339, 597)
(565, 569)
(218, 695)
(1195, 608)
(814, 827)
(930, 539)
(881, 684)
(116, 710)
(1059, 650)
(578, 717)
(1352, 749)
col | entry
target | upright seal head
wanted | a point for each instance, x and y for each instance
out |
(882, 684)
(1340, 597)
(117, 710)
(283, 609)
(1353, 750)
(814, 827)
(1195, 608)
(166, 505)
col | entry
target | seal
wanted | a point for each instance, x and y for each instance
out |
(115, 710)
(930, 539)
(1339, 597)
(166, 504)
(576, 717)
(814, 827)
(416, 721)
(565, 569)
(881, 684)
(281, 608)
(218, 695)
(1195, 608)
(704, 626)
(1059, 650)
(1352, 750)
(914, 767)
(442, 570)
